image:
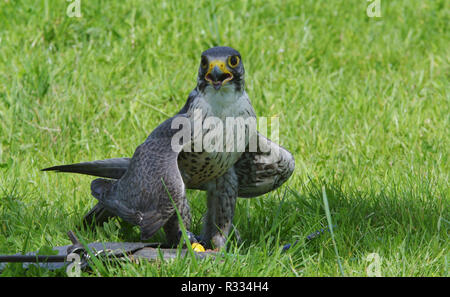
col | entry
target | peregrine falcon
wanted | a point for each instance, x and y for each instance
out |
(146, 190)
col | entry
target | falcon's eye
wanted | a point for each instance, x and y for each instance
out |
(233, 61)
(204, 62)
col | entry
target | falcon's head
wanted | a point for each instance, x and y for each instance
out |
(221, 68)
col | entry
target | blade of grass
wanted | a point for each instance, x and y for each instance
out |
(330, 226)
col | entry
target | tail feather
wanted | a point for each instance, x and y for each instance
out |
(110, 168)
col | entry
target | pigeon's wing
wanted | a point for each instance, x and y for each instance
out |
(146, 195)
(264, 170)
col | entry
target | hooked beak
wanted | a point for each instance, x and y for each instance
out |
(217, 74)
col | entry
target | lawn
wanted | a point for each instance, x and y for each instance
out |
(363, 104)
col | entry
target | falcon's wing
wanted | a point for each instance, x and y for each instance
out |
(264, 170)
(146, 193)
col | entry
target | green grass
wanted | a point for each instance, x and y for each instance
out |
(363, 105)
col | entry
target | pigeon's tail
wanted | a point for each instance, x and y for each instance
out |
(110, 168)
(97, 215)
(149, 223)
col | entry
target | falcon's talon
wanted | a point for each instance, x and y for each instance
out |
(191, 236)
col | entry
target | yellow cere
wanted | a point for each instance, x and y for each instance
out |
(197, 247)
(219, 64)
(222, 67)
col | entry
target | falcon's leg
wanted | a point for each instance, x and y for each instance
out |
(172, 227)
(221, 201)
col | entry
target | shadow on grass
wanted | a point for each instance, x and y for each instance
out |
(366, 221)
